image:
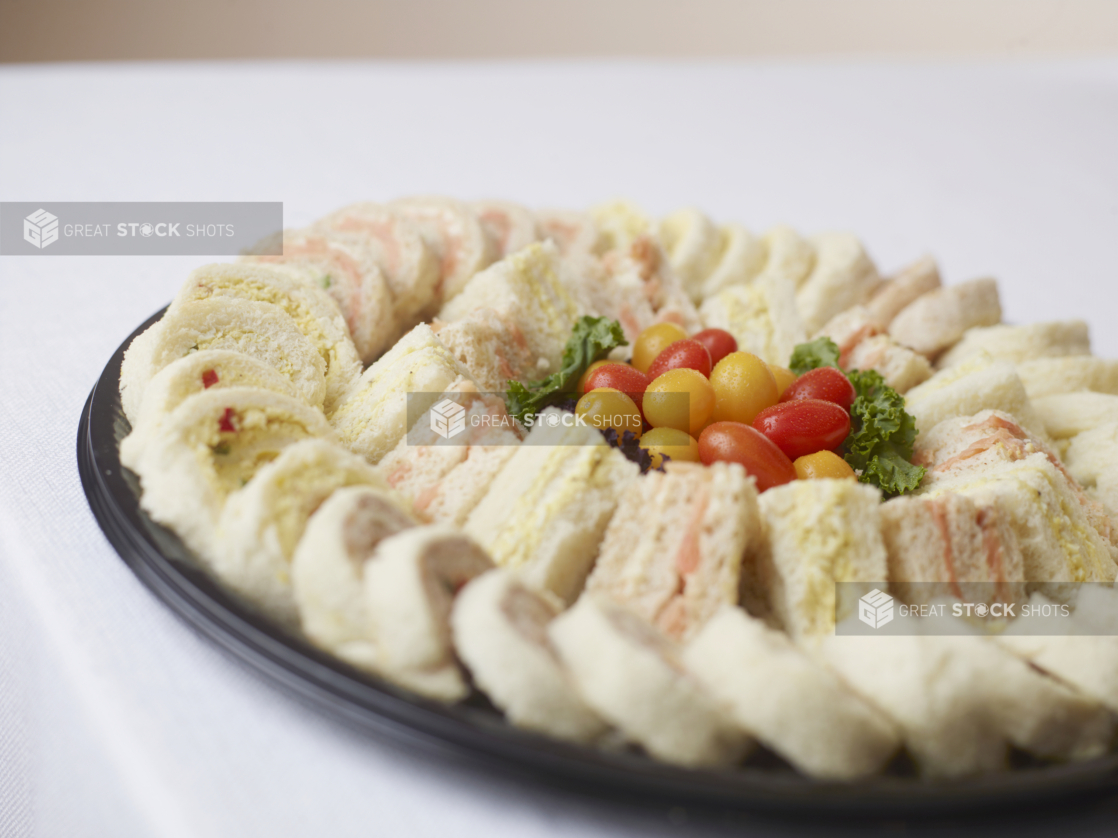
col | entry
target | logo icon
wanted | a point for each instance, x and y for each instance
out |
(448, 418)
(40, 228)
(875, 609)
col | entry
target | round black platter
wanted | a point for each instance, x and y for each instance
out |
(162, 563)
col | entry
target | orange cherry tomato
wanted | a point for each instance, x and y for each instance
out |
(734, 442)
(822, 464)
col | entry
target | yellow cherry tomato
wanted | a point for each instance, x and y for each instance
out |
(682, 399)
(784, 377)
(676, 445)
(608, 408)
(589, 370)
(743, 387)
(822, 464)
(654, 340)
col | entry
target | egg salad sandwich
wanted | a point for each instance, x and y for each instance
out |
(633, 676)
(789, 701)
(741, 257)
(842, 276)
(524, 289)
(210, 446)
(204, 370)
(949, 546)
(262, 330)
(455, 233)
(762, 316)
(961, 700)
(500, 633)
(511, 227)
(411, 582)
(313, 311)
(262, 523)
(863, 346)
(345, 267)
(408, 264)
(674, 548)
(375, 416)
(1021, 343)
(693, 246)
(328, 567)
(1068, 374)
(817, 533)
(899, 291)
(546, 510)
(445, 478)
(938, 319)
(977, 384)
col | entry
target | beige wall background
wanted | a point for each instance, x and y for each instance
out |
(82, 30)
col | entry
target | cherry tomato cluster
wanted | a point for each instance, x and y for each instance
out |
(738, 408)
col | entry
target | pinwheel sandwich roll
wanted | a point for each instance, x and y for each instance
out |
(500, 632)
(411, 582)
(456, 235)
(510, 226)
(262, 330)
(632, 676)
(328, 568)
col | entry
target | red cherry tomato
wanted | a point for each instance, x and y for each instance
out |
(689, 354)
(719, 343)
(733, 442)
(824, 383)
(629, 380)
(804, 426)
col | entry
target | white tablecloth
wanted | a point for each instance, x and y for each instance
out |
(115, 718)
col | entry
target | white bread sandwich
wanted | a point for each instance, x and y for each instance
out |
(345, 266)
(674, 548)
(207, 369)
(862, 346)
(818, 533)
(500, 633)
(1092, 459)
(1021, 343)
(493, 348)
(262, 523)
(524, 289)
(937, 320)
(950, 546)
(641, 266)
(314, 312)
(262, 330)
(574, 233)
(410, 585)
(408, 264)
(960, 700)
(791, 257)
(762, 316)
(791, 703)
(742, 256)
(1085, 653)
(979, 383)
(899, 291)
(843, 276)
(693, 246)
(378, 412)
(510, 226)
(209, 447)
(1069, 374)
(445, 478)
(619, 224)
(328, 568)
(546, 511)
(632, 676)
(1066, 415)
(456, 235)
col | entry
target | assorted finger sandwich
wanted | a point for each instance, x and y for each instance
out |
(675, 441)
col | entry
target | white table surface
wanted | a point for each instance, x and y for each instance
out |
(115, 718)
